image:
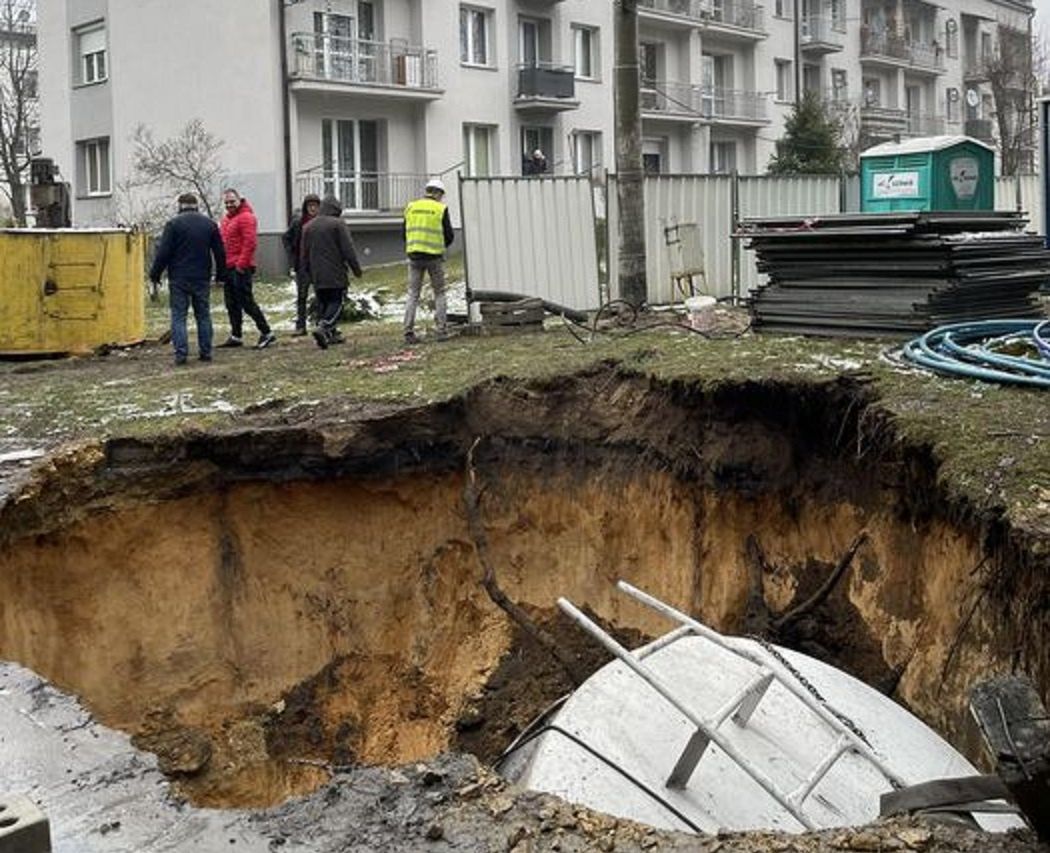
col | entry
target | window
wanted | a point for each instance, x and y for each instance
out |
(782, 8)
(722, 157)
(872, 92)
(533, 138)
(474, 27)
(785, 82)
(478, 143)
(350, 159)
(647, 51)
(986, 47)
(585, 52)
(93, 160)
(987, 107)
(838, 16)
(586, 151)
(91, 50)
(951, 104)
(951, 37)
(839, 85)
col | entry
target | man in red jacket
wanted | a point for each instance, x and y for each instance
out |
(240, 237)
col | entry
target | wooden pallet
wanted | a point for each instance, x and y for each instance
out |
(505, 318)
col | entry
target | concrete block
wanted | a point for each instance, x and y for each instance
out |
(23, 827)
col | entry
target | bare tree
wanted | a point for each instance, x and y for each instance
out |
(19, 109)
(1012, 75)
(188, 161)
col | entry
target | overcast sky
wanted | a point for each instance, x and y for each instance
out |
(1042, 16)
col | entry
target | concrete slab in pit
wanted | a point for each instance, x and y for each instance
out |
(100, 794)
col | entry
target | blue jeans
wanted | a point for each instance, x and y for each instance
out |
(181, 295)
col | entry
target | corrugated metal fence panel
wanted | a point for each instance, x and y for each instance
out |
(1006, 189)
(676, 199)
(707, 200)
(773, 195)
(533, 237)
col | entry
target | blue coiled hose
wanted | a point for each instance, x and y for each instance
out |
(968, 350)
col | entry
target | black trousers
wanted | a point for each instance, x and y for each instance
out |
(237, 291)
(302, 295)
(330, 307)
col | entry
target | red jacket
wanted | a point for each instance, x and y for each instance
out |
(240, 236)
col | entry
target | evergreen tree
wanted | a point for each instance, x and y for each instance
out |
(810, 145)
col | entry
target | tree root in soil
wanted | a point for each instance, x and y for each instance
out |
(472, 494)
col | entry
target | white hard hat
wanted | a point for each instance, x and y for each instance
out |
(435, 184)
(538, 154)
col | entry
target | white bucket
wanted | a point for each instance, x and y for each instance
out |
(701, 312)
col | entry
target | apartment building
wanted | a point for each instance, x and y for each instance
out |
(364, 98)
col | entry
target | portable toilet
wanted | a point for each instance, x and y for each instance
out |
(70, 290)
(928, 173)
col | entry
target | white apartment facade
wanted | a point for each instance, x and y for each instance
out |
(364, 98)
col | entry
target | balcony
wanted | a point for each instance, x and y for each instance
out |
(975, 70)
(979, 128)
(546, 87)
(821, 34)
(739, 19)
(685, 101)
(362, 192)
(384, 69)
(889, 48)
(924, 125)
(879, 123)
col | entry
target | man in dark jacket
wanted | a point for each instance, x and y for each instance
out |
(188, 248)
(327, 252)
(293, 244)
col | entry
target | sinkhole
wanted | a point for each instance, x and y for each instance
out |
(259, 606)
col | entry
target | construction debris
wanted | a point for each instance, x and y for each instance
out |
(878, 274)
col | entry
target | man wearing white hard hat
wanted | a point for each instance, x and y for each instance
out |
(428, 232)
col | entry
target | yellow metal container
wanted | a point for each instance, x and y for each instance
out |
(70, 290)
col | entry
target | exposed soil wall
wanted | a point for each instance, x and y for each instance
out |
(310, 592)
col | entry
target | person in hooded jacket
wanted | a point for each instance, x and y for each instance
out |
(327, 252)
(240, 237)
(293, 244)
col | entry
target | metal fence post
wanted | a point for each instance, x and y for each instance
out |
(734, 217)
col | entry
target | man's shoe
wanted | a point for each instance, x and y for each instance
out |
(321, 338)
(180, 360)
(299, 332)
(335, 337)
(230, 342)
(266, 340)
(205, 358)
(410, 338)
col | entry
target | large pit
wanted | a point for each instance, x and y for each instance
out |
(260, 606)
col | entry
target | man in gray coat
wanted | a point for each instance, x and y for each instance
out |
(327, 252)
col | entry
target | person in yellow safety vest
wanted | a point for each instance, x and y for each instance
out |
(427, 232)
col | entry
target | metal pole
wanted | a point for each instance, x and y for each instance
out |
(286, 119)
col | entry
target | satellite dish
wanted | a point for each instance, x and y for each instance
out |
(972, 98)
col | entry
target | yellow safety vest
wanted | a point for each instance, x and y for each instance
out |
(423, 227)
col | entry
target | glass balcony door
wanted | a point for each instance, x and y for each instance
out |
(350, 150)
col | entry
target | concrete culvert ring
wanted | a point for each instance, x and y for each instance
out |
(265, 608)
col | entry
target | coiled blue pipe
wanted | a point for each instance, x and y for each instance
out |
(966, 349)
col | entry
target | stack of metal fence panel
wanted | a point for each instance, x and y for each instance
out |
(876, 274)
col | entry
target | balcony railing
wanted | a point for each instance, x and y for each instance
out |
(925, 125)
(890, 45)
(702, 101)
(546, 80)
(362, 191)
(735, 13)
(345, 60)
(822, 29)
(978, 128)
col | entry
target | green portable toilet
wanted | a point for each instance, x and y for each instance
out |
(928, 173)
